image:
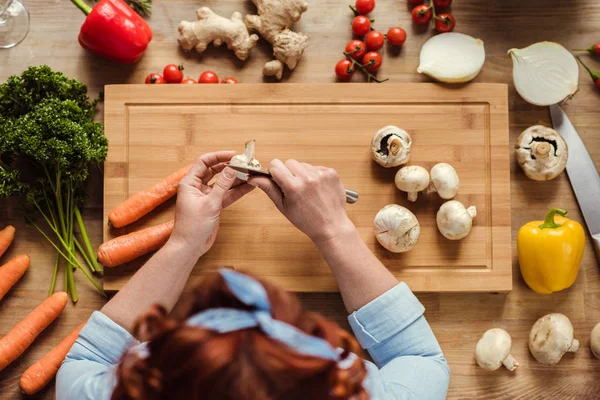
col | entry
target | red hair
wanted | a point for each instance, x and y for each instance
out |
(187, 362)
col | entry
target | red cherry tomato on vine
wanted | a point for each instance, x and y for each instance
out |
(363, 7)
(361, 25)
(208, 77)
(442, 3)
(415, 2)
(229, 80)
(396, 36)
(421, 14)
(173, 74)
(372, 61)
(188, 81)
(356, 49)
(343, 70)
(444, 23)
(155, 79)
(374, 40)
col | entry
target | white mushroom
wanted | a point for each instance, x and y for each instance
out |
(541, 152)
(444, 181)
(396, 228)
(412, 179)
(552, 336)
(246, 160)
(454, 220)
(595, 341)
(390, 146)
(493, 350)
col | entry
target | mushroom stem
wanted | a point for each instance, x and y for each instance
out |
(472, 211)
(541, 149)
(395, 146)
(574, 346)
(510, 363)
(412, 196)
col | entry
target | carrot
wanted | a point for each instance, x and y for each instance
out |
(11, 272)
(6, 237)
(42, 372)
(125, 248)
(24, 333)
(147, 200)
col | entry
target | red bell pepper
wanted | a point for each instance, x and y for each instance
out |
(114, 31)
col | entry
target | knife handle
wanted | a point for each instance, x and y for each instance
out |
(596, 243)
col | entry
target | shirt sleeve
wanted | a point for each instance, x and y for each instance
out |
(88, 371)
(394, 331)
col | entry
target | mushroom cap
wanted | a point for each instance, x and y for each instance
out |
(541, 152)
(595, 341)
(396, 228)
(550, 337)
(412, 178)
(390, 146)
(454, 221)
(493, 348)
(445, 180)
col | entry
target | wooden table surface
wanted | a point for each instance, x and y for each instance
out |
(458, 320)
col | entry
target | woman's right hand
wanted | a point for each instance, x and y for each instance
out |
(312, 198)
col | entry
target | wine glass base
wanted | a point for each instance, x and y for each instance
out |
(14, 25)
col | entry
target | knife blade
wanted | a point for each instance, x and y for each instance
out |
(582, 174)
(351, 195)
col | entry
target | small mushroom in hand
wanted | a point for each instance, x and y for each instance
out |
(552, 336)
(454, 221)
(412, 179)
(595, 341)
(396, 228)
(493, 350)
(390, 146)
(444, 181)
(246, 160)
(541, 152)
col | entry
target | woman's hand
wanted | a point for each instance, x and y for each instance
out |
(312, 198)
(199, 205)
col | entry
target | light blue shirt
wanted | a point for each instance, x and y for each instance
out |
(408, 361)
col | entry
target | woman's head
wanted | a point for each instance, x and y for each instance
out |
(188, 362)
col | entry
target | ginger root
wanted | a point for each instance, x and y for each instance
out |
(272, 22)
(211, 27)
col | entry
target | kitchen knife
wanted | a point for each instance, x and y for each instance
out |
(582, 174)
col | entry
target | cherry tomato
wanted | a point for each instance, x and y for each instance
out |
(208, 77)
(155, 78)
(173, 74)
(444, 23)
(188, 81)
(229, 80)
(363, 7)
(343, 70)
(374, 40)
(415, 2)
(372, 61)
(396, 36)
(442, 3)
(421, 14)
(361, 25)
(356, 49)
(597, 82)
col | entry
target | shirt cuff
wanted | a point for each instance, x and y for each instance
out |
(385, 316)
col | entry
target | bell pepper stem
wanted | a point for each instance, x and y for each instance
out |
(549, 220)
(82, 6)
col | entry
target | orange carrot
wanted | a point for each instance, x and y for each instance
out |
(42, 372)
(125, 248)
(147, 200)
(6, 237)
(24, 333)
(11, 272)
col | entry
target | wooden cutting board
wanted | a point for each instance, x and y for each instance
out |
(154, 130)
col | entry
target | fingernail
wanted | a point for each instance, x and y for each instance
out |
(229, 172)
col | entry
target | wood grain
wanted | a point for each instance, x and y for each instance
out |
(458, 320)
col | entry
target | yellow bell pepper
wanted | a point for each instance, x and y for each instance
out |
(550, 252)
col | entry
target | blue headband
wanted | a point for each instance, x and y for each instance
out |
(250, 292)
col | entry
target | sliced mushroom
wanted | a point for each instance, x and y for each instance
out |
(444, 181)
(493, 350)
(550, 337)
(541, 152)
(454, 221)
(390, 146)
(595, 341)
(412, 179)
(396, 228)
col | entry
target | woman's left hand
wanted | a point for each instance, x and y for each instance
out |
(199, 205)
